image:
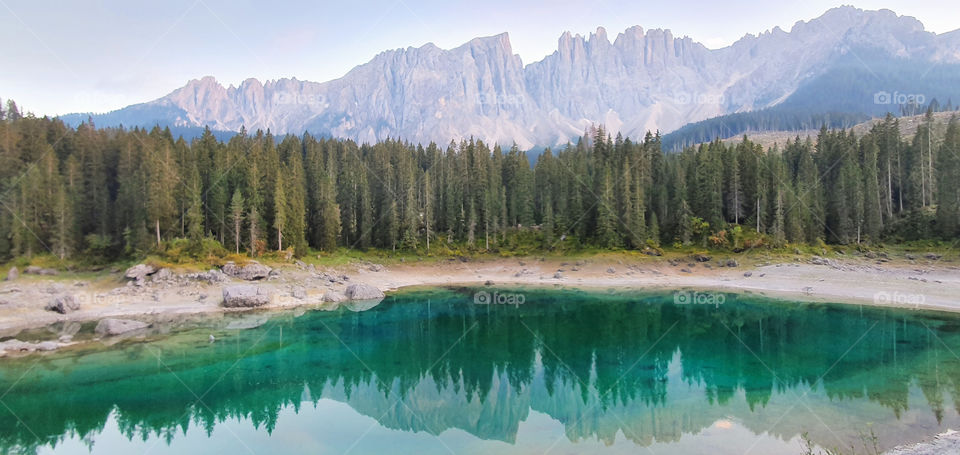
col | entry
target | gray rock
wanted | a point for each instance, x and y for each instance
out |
(611, 270)
(16, 346)
(163, 275)
(299, 294)
(47, 346)
(732, 263)
(24, 346)
(34, 270)
(13, 274)
(211, 276)
(114, 327)
(245, 296)
(63, 304)
(139, 272)
(817, 260)
(748, 274)
(361, 291)
(933, 256)
(250, 271)
(333, 296)
(558, 275)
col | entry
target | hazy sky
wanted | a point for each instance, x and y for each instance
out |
(63, 56)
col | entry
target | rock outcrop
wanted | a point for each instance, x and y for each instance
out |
(638, 81)
(245, 296)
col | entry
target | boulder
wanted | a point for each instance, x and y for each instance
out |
(34, 270)
(212, 276)
(558, 275)
(163, 275)
(13, 274)
(245, 296)
(817, 260)
(701, 257)
(47, 346)
(251, 271)
(15, 345)
(732, 263)
(333, 296)
(63, 304)
(114, 327)
(363, 292)
(139, 272)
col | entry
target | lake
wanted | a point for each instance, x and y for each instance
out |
(482, 370)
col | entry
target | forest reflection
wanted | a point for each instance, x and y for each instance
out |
(601, 363)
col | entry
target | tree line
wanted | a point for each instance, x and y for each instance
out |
(113, 192)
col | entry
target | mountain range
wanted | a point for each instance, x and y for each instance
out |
(639, 81)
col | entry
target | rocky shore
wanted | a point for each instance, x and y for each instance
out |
(43, 310)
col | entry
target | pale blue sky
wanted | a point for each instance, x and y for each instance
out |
(60, 57)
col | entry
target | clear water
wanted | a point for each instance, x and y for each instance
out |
(430, 371)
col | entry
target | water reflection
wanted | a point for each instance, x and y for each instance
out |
(614, 370)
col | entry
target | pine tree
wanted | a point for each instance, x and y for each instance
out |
(279, 209)
(948, 168)
(63, 240)
(236, 216)
(194, 216)
(873, 219)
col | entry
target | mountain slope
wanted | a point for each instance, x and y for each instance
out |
(641, 81)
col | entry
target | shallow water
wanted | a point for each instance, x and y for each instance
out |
(431, 371)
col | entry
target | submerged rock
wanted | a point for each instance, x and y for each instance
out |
(245, 296)
(363, 292)
(63, 304)
(15, 345)
(113, 327)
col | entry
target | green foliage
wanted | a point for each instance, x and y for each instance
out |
(112, 193)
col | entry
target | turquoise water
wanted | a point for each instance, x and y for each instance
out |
(430, 371)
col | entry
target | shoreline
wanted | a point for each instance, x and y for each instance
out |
(922, 285)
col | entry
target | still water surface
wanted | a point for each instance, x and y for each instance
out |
(431, 371)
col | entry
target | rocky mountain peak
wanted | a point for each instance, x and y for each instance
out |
(647, 79)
